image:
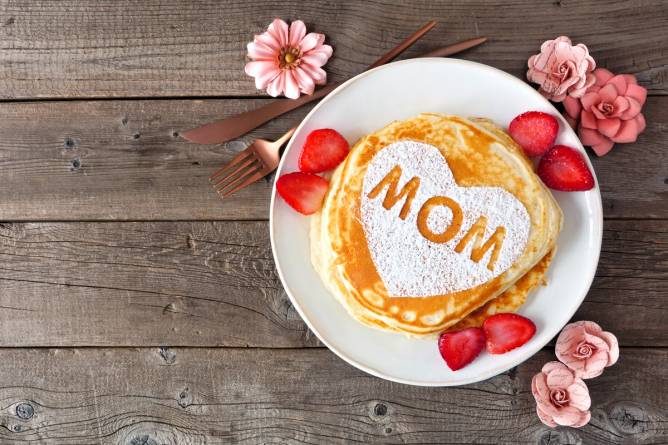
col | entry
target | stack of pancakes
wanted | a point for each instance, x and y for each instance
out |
(479, 154)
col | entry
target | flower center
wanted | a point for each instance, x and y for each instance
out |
(606, 108)
(559, 397)
(289, 58)
(584, 350)
(563, 70)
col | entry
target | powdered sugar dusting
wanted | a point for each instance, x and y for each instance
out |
(409, 264)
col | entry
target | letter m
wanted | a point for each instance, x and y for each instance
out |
(391, 181)
(476, 233)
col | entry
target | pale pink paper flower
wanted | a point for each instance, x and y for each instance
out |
(561, 397)
(609, 112)
(586, 348)
(561, 69)
(286, 60)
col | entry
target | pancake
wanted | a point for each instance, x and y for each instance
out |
(466, 237)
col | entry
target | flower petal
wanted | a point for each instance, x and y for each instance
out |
(317, 59)
(279, 30)
(560, 378)
(310, 41)
(572, 107)
(267, 39)
(545, 418)
(264, 72)
(633, 110)
(609, 127)
(277, 85)
(640, 120)
(589, 136)
(637, 92)
(628, 132)
(620, 105)
(568, 416)
(318, 75)
(296, 33)
(584, 419)
(539, 387)
(578, 395)
(611, 340)
(572, 335)
(306, 83)
(620, 84)
(608, 93)
(291, 86)
(590, 100)
(260, 51)
(588, 120)
(603, 147)
(602, 76)
(572, 122)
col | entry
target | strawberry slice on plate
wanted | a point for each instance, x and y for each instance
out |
(460, 348)
(505, 332)
(534, 131)
(564, 168)
(323, 150)
(304, 192)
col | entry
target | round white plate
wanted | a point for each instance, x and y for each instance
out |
(399, 91)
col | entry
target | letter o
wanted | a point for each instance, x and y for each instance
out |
(452, 229)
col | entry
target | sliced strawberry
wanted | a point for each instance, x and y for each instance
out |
(507, 331)
(534, 131)
(303, 191)
(323, 150)
(564, 168)
(459, 348)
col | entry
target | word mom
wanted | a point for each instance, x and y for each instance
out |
(476, 233)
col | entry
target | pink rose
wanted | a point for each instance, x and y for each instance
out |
(561, 397)
(561, 69)
(609, 112)
(586, 348)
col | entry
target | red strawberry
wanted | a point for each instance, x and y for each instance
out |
(303, 191)
(459, 348)
(323, 150)
(564, 168)
(534, 131)
(507, 331)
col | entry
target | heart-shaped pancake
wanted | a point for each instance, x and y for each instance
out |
(416, 264)
(422, 267)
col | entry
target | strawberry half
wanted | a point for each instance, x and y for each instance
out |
(564, 168)
(303, 191)
(323, 150)
(534, 131)
(507, 331)
(459, 348)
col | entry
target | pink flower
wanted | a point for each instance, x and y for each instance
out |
(609, 112)
(586, 348)
(287, 60)
(561, 69)
(561, 397)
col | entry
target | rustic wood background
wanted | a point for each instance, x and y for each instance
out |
(136, 308)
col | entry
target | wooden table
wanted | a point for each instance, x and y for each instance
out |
(137, 308)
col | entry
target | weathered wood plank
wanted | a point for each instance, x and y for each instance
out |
(75, 48)
(121, 160)
(214, 284)
(305, 396)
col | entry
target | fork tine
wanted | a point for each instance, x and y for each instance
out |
(234, 161)
(240, 179)
(239, 176)
(251, 179)
(237, 169)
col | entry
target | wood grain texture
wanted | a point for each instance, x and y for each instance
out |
(214, 284)
(85, 48)
(121, 160)
(306, 396)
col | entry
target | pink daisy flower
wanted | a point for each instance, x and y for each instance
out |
(286, 60)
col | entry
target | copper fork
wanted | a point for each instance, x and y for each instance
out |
(252, 164)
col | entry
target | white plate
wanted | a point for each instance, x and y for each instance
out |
(399, 91)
